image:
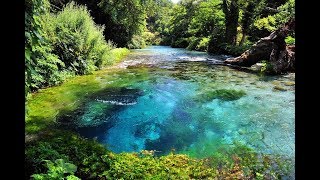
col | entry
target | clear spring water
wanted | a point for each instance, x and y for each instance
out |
(157, 108)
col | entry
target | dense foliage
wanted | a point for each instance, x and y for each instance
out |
(63, 44)
(64, 152)
(221, 26)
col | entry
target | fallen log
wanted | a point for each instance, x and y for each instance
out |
(273, 49)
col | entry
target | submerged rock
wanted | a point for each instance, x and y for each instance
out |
(289, 83)
(279, 88)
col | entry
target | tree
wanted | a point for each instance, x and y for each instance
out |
(231, 10)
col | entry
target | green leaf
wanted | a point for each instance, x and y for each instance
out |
(72, 177)
(70, 168)
(38, 176)
(27, 54)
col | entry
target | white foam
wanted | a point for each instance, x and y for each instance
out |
(117, 102)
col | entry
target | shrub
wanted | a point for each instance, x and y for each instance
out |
(137, 42)
(61, 45)
(40, 61)
(266, 68)
(78, 41)
(58, 170)
(193, 42)
(145, 166)
(180, 43)
(151, 38)
(85, 154)
(203, 44)
(93, 161)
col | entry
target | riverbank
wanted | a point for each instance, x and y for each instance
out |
(44, 105)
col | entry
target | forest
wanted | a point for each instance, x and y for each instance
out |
(155, 89)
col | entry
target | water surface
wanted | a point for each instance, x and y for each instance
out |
(157, 101)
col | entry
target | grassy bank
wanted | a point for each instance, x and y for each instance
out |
(44, 105)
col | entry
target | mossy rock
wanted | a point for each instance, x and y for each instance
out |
(223, 94)
(276, 83)
(289, 83)
(279, 88)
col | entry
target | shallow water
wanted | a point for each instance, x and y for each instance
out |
(154, 102)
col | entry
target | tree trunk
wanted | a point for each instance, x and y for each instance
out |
(247, 19)
(231, 12)
(271, 48)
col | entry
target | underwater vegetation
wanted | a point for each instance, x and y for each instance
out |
(223, 94)
(142, 121)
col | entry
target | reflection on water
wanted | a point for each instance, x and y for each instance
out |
(162, 110)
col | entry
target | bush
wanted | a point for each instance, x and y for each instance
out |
(58, 170)
(180, 43)
(193, 42)
(40, 61)
(78, 41)
(151, 38)
(85, 154)
(93, 161)
(203, 44)
(165, 41)
(137, 42)
(267, 67)
(145, 166)
(59, 46)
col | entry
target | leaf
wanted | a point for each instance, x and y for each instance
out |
(27, 35)
(27, 54)
(70, 168)
(38, 176)
(72, 177)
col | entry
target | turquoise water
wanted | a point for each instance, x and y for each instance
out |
(161, 109)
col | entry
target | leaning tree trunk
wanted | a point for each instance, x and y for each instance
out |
(272, 48)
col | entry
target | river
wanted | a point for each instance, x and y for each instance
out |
(163, 98)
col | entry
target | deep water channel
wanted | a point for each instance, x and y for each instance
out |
(162, 99)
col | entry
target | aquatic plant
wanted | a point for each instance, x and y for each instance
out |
(223, 94)
(44, 107)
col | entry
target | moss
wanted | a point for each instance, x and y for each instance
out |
(44, 106)
(223, 94)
